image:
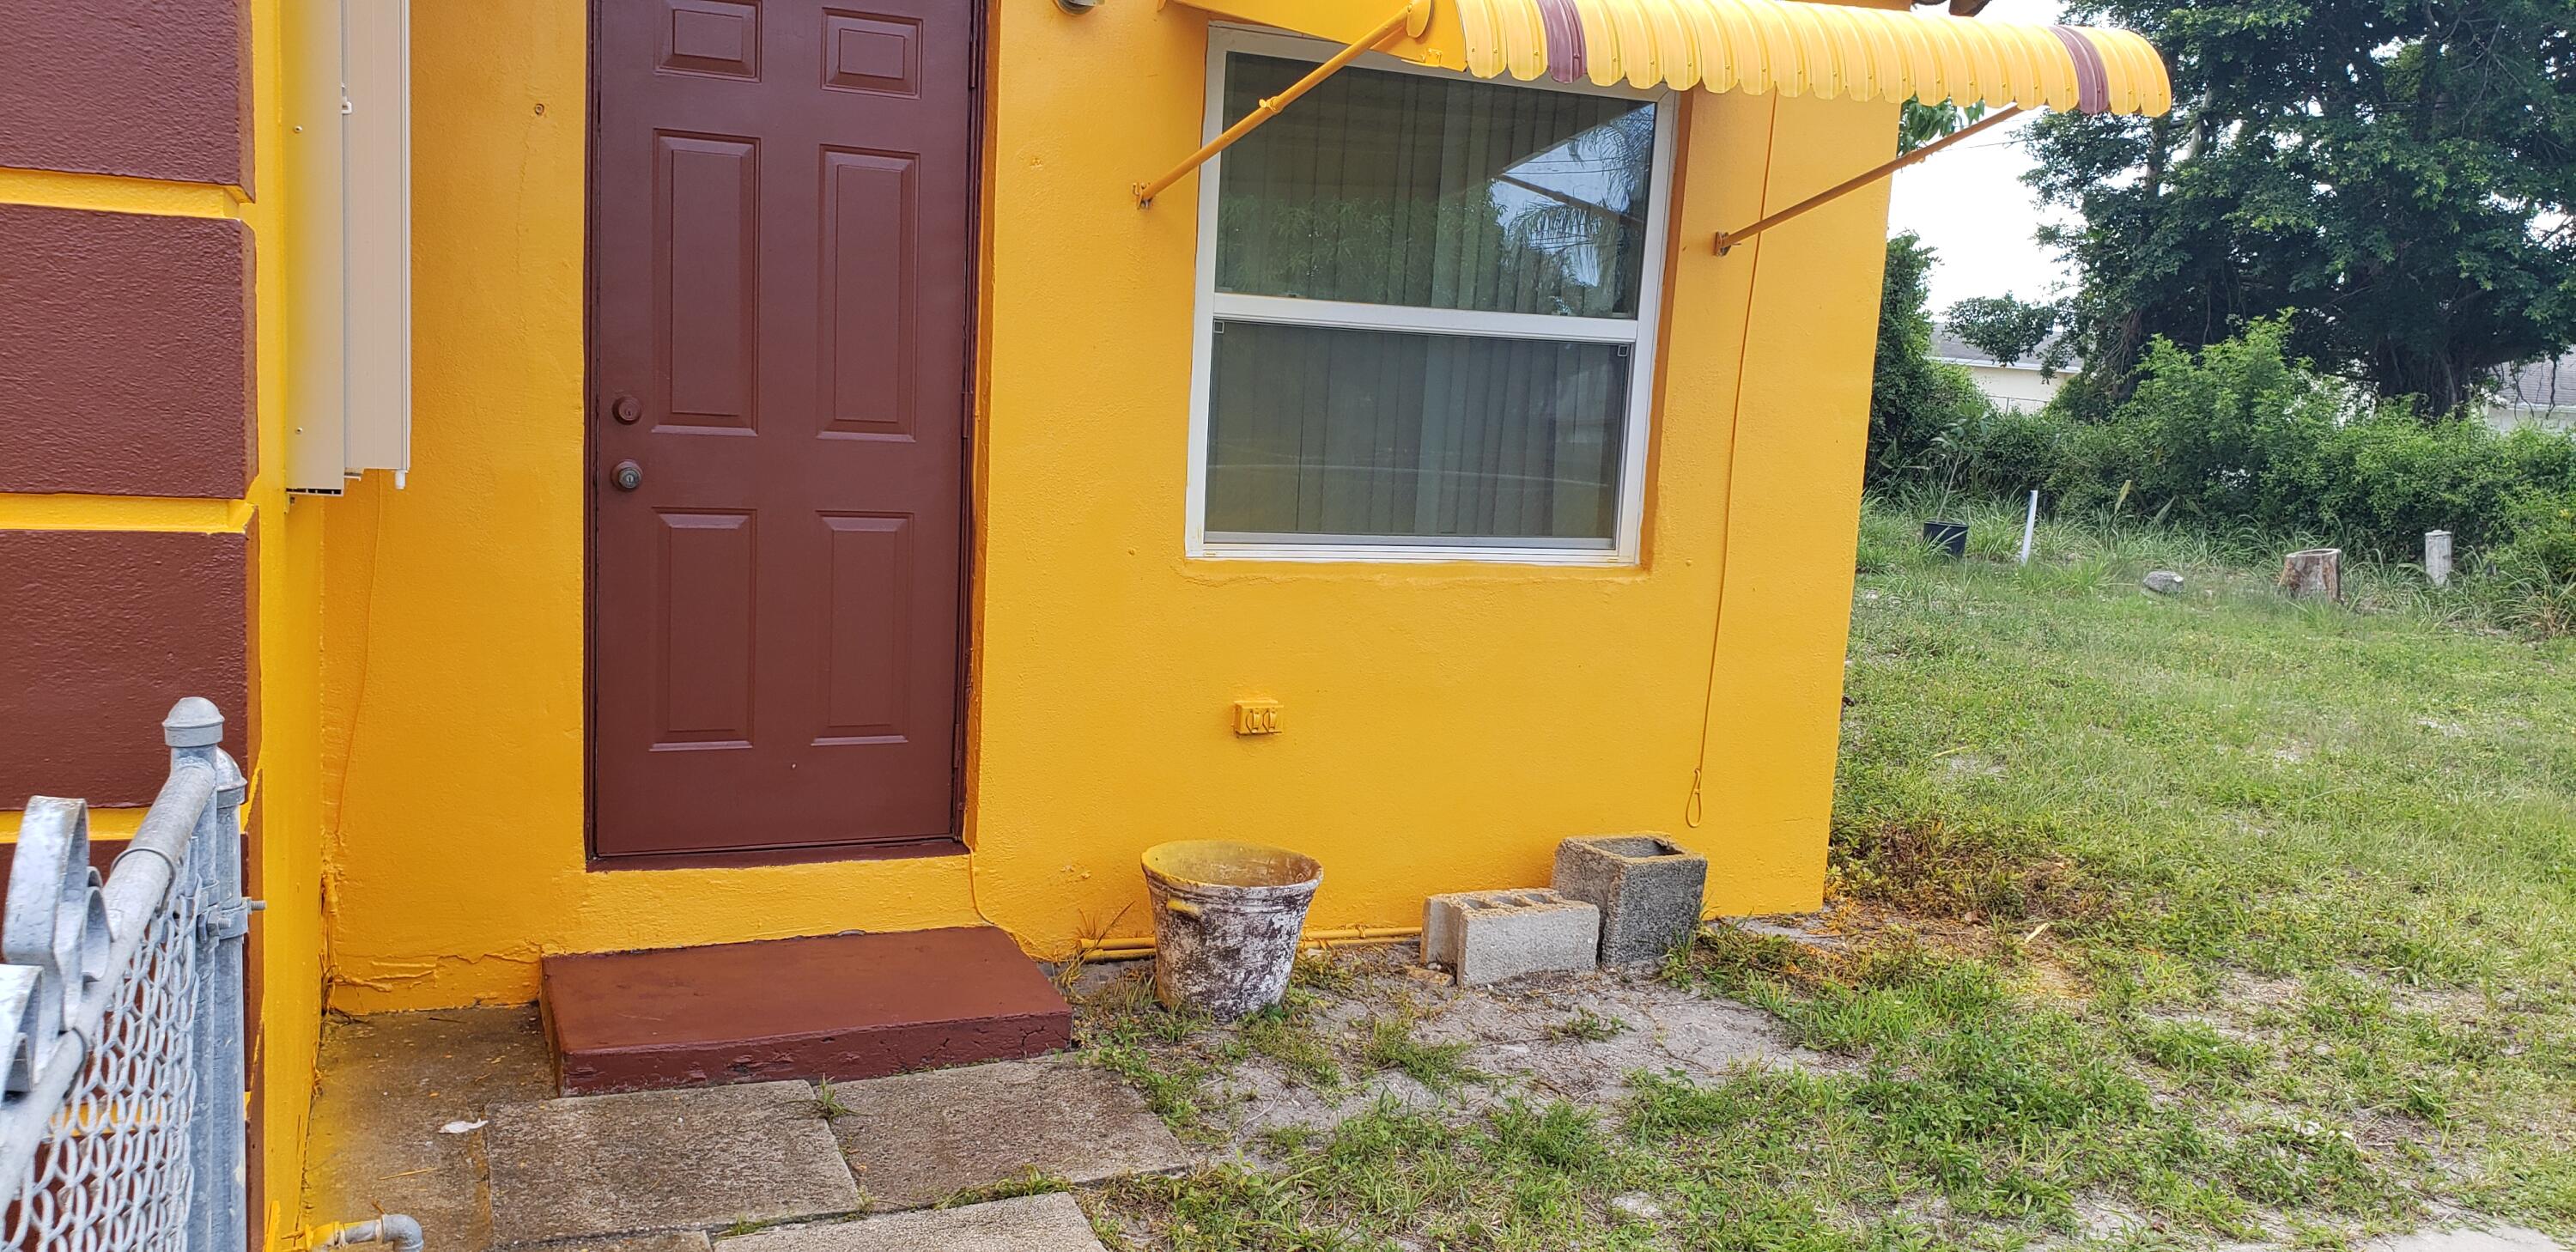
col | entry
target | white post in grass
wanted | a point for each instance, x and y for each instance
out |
(2437, 557)
(2029, 528)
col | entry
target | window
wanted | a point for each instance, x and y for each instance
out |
(1426, 308)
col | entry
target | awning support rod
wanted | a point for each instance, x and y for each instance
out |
(1729, 238)
(1269, 108)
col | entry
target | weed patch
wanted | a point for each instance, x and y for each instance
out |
(1288, 1037)
(1587, 1026)
(1389, 1044)
(1934, 868)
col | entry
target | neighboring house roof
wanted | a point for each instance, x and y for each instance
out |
(1957, 351)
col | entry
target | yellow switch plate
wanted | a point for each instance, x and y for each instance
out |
(1256, 717)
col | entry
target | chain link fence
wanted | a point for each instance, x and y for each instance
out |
(122, 1123)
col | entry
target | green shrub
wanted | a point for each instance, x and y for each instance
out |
(2004, 451)
(2242, 435)
(2543, 546)
(2229, 433)
(2382, 481)
(1917, 406)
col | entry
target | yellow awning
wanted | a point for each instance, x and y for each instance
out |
(1788, 47)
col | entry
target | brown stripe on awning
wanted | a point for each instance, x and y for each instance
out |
(2092, 80)
(1565, 46)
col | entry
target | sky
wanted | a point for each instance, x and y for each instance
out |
(1970, 204)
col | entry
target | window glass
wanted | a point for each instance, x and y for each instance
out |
(1393, 188)
(1376, 435)
(1426, 315)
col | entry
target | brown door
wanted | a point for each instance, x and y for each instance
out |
(781, 213)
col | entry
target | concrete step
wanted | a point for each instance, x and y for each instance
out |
(831, 1007)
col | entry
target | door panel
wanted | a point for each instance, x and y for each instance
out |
(707, 260)
(867, 305)
(781, 207)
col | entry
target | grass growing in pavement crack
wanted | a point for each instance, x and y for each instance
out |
(827, 1102)
(1028, 1182)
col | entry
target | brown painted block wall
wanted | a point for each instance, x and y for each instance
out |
(125, 353)
(100, 633)
(139, 88)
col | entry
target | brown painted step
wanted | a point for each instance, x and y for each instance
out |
(835, 1006)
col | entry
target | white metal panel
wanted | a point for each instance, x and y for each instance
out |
(376, 169)
(349, 106)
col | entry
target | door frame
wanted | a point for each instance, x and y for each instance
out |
(969, 535)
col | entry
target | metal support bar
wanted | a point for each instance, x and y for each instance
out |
(1729, 238)
(1269, 108)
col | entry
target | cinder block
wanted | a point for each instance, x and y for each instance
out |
(1488, 936)
(1646, 886)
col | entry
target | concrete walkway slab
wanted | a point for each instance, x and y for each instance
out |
(663, 1160)
(1037, 1223)
(398, 1116)
(668, 1241)
(917, 1139)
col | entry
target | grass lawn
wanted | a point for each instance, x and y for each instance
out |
(2168, 921)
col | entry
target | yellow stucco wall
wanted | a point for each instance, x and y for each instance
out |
(1448, 724)
(286, 617)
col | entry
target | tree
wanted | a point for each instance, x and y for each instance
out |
(1922, 123)
(2009, 329)
(1915, 402)
(2394, 174)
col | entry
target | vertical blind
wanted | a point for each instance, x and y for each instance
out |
(1412, 192)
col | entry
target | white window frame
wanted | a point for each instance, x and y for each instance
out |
(1639, 334)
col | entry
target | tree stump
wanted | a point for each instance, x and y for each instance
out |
(2314, 572)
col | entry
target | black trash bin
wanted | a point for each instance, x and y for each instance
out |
(1950, 537)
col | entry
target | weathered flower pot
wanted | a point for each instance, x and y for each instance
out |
(1226, 920)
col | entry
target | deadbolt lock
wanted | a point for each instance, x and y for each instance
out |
(627, 409)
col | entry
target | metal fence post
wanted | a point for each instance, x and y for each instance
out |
(121, 1026)
(194, 731)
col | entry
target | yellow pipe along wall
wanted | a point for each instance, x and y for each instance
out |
(1449, 723)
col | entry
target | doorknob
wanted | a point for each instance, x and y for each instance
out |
(628, 475)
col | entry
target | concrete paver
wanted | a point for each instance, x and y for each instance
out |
(389, 1083)
(668, 1241)
(663, 1160)
(917, 1139)
(1038, 1223)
